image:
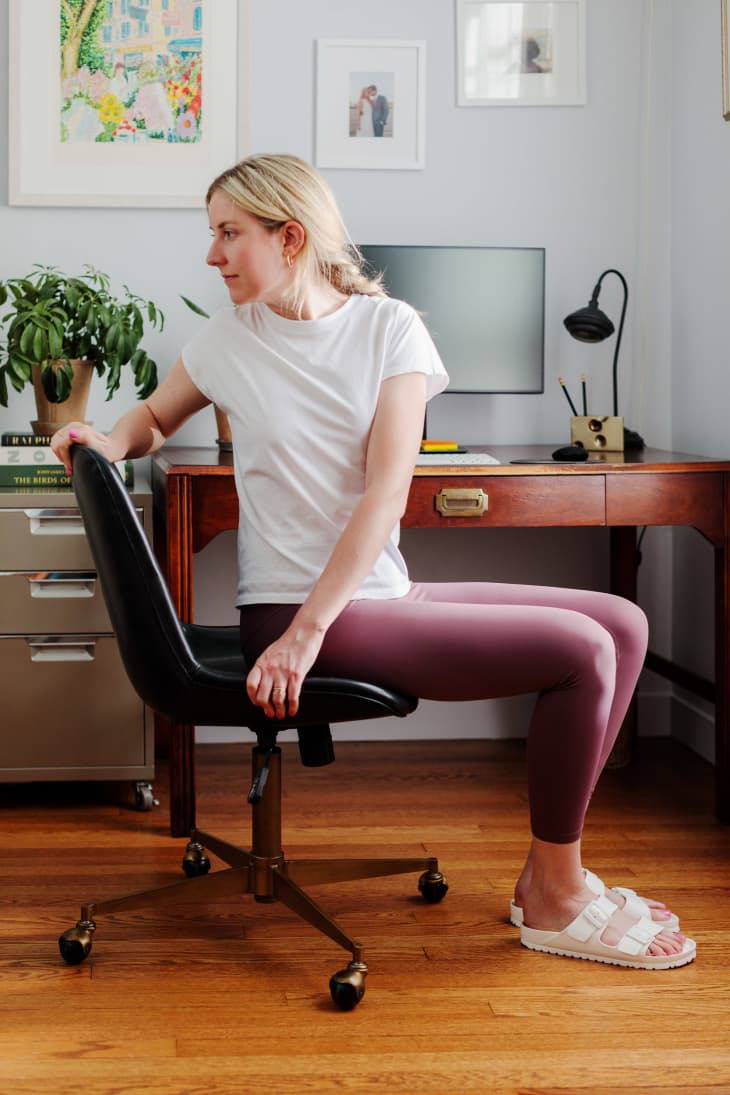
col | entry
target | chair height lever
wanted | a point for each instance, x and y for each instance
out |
(257, 787)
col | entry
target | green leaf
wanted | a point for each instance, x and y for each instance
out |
(3, 389)
(111, 340)
(195, 307)
(40, 344)
(55, 343)
(19, 369)
(26, 340)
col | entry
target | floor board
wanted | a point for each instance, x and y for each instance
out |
(232, 996)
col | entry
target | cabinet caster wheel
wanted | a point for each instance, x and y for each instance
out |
(347, 987)
(144, 798)
(195, 862)
(75, 944)
(433, 887)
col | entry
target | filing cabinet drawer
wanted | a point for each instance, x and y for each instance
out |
(65, 601)
(48, 537)
(68, 705)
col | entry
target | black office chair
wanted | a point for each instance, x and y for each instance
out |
(194, 674)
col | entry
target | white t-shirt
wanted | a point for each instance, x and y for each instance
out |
(300, 396)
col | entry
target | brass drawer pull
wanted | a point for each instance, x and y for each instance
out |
(462, 502)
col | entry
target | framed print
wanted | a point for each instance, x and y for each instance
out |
(521, 52)
(118, 103)
(725, 61)
(370, 104)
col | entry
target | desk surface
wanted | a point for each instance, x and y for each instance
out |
(191, 460)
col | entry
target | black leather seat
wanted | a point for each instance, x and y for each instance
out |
(195, 674)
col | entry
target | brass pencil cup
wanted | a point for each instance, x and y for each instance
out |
(601, 433)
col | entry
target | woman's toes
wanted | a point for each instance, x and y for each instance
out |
(667, 943)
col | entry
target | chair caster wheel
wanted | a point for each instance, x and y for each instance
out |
(433, 887)
(195, 862)
(75, 944)
(347, 987)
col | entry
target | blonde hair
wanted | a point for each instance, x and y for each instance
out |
(280, 188)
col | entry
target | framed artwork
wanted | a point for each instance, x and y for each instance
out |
(725, 62)
(121, 103)
(521, 52)
(370, 104)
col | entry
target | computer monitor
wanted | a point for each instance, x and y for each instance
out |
(484, 308)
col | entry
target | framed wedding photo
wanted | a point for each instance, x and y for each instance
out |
(370, 109)
(521, 52)
(126, 106)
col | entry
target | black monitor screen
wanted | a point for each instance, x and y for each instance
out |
(484, 308)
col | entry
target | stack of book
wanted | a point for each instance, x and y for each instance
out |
(27, 461)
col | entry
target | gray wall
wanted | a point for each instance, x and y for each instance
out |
(590, 184)
(700, 241)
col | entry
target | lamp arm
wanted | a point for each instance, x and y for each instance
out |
(596, 291)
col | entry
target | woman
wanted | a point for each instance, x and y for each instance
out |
(325, 380)
(365, 127)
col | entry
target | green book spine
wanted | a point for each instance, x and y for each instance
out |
(52, 476)
(31, 475)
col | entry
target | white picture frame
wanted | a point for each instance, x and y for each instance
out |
(51, 164)
(521, 52)
(343, 134)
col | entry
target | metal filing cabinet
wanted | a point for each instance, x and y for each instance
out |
(67, 709)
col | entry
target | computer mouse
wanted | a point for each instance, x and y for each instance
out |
(571, 453)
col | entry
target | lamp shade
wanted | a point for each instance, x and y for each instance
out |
(589, 324)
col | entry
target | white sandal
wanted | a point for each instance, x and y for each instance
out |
(582, 939)
(635, 906)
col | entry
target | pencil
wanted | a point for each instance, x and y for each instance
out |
(567, 396)
(585, 394)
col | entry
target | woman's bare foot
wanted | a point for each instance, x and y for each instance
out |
(553, 912)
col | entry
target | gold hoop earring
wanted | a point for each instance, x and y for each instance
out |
(289, 261)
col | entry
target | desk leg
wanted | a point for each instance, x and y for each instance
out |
(179, 574)
(722, 669)
(624, 583)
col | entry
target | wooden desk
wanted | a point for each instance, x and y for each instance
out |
(195, 499)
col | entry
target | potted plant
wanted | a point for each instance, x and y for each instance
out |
(60, 327)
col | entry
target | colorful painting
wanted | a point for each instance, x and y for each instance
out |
(131, 71)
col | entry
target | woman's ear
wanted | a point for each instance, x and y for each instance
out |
(293, 237)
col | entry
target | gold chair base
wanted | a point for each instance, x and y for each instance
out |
(265, 873)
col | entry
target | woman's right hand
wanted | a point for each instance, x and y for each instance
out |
(79, 433)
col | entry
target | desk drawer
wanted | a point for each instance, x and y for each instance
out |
(688, 498)
(511, 501)
(42, 600)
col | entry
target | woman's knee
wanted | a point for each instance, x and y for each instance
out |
(626, 622)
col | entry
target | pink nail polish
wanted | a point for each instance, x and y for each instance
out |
(72, 435)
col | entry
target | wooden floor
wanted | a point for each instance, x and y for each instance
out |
(233, 997)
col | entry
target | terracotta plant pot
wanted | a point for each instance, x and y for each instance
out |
(223, 428)
(51, 416)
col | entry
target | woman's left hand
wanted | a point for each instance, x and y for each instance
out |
(276, 679)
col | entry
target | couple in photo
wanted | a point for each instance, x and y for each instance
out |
(372, 112)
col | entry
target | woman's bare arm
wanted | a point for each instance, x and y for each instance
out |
(143, 429)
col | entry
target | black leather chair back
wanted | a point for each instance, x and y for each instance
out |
(190, 673)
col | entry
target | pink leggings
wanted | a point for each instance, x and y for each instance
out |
(580, 651)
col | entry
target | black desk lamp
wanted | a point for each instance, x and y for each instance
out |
(590, 324)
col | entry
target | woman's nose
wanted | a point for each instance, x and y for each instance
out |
(213, 258)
